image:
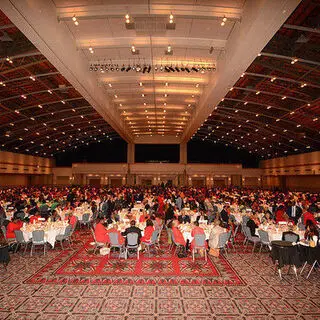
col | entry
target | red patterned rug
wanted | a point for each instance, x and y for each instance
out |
(81, 266)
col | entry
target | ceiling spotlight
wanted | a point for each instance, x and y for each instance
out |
(294, 61)
(74, 18)
(303, 85)
(134, 50)
(32, 78)
(140, 84)
(169, 50)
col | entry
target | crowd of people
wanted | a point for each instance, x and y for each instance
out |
(160, 205)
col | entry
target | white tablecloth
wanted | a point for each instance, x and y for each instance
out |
(275, 234)
(50, 231)
(187, 228)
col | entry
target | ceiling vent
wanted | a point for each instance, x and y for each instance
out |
(151, 26)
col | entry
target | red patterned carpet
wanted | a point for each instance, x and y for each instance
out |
(81, 266)
(75, 284)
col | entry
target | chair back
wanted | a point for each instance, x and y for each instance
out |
(38, 236)
(132, 239)
(199, 240)
(94, 236)
(155, 235)
(245, 219)
(85, 217)
(246, 231)
(223, 239)
(68, 231)
(114, 238)
(19, 236)
(291, 236)
(264, 236)
(4, 231)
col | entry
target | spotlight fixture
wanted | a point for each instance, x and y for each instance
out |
(75, 21)
(224, 20)
(134, 51)
(91, 50)
(169, 51)
(129, 22)
(171, 25)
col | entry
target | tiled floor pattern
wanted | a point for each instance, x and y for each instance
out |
(263, 296)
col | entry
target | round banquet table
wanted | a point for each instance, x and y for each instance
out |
(309, 254)
(285, 253)
(50, 232)
(276, 234)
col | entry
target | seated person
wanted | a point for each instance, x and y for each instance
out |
(224, 215)
(148, 231)
(101, 232)
(72, 219)
(35, 218)
(307, 215)
(133, 229)
(195, 231)
(15, 224)
(281, 216)
(55, 217)
(267, 219)
(214, 238)
(177, 234)
(114, 229)
(312, 233)
(253, 224)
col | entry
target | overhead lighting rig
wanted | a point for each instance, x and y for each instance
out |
(146, 68)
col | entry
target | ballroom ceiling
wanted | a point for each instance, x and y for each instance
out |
(77, 72)
(274, 107)
(40, 112)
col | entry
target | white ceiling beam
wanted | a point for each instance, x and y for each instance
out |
(261, 19)
(157, 42)
(38, 21)
(136, 10)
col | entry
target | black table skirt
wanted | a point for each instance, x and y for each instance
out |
(285, 253)
(309, 254)
(4, 254)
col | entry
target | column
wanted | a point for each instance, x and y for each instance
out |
(130, 160)
(183, 153)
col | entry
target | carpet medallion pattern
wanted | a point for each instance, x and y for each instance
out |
(77, 285)
(81, 266)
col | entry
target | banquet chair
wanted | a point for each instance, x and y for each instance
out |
(199, 244)
(264, 239)
(153, 241)
(38, 240)
(132, 244)
(178, 245)
(21, 241)
(224, 238)
(66, 236)
(85, 220)
(98, 245)
(245, 219)
(114, 243)
(290, 236)
(250, 238)
(158, 240)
